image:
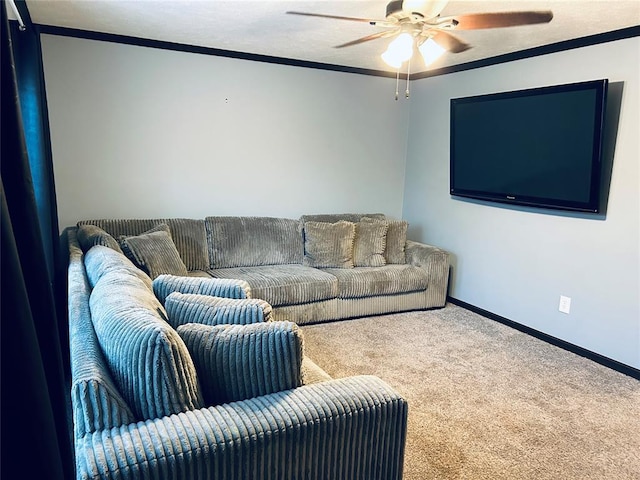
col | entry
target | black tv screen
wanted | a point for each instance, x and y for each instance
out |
(540, 147)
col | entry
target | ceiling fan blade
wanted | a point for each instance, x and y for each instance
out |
(373, 36)
(475, 21)
(335, 17)
(451, 43)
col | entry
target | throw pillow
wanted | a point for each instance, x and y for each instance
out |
(164, 285)
(329, 245)
(154, 252)
(396, 240)
(370, 242)
(193, 308)
(237, 362)
(91, 235)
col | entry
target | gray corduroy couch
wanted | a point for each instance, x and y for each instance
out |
(146, 387)
(271, 255)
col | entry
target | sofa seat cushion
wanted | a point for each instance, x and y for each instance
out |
(284, 284)
(361, 282)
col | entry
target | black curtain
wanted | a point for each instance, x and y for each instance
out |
(35, 438)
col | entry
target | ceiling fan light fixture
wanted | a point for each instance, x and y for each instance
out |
(431, 51)
(399, 50)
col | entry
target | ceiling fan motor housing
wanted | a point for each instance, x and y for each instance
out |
(394, 6)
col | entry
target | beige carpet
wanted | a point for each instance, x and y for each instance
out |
(487, 401)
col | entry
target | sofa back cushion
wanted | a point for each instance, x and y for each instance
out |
(336, 217)
(253, 241)
(188, 235)
(148, 360)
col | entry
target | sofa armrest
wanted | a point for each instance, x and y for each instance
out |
(351, 428)
(183, 308)
(436, 262)
(236, 362)
(96, 401)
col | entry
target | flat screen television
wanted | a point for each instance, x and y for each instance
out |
(539, 147)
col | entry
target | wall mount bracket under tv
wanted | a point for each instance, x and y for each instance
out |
(539, 147)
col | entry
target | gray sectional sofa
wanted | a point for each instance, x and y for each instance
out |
(272, 255)
(187, 359)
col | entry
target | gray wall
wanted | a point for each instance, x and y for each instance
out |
(517, 262)
(141, 132)
(138, 132)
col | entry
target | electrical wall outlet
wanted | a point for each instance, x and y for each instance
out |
(565, 304)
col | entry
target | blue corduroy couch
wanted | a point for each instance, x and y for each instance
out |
(178, 375)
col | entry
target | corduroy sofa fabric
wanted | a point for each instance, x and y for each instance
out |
(362, 282)
(336, 217)
(100, 260)
(189, 236)
(329, 244)
(147, 358)
(92, 235)
(297, 293)
(304, 313)
(395, 243)
(344, 429)
(381, 304)
(98, 405)
(236, 362)
(164, 285)
(154, 252)
(284, 284)
(185, 308)
(347, 429)
(253, 241)
(436, 262)
(370, 242)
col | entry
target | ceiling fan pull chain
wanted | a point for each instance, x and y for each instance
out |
(406, 93)
(397, 82)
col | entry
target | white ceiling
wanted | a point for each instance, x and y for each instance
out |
(262, 27)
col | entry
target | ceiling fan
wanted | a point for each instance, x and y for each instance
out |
(418, 24)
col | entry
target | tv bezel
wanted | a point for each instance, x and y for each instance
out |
(593, 205)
